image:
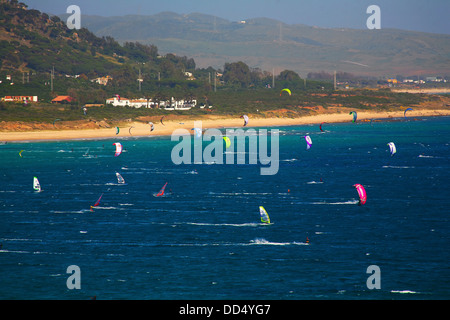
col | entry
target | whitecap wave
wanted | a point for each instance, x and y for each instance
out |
(404, 291)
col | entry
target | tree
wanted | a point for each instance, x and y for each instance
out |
(237, 73)
(288, 75)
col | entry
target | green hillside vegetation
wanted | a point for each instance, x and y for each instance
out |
(32, 44)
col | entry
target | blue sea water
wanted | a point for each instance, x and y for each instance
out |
(204, 240)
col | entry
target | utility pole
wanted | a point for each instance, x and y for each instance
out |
(280, 36)
(334, 80)
(140, 80)
(273, 77)
(52, 76)
(215, 77)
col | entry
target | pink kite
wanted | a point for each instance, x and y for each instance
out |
(362, 194)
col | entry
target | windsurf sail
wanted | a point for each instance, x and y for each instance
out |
(120, 179)
(118, 148)
(20, 153)
(355, 115)
(129, 130)
(409, 109)
(117, 130)
(308, 142)
(161, 192)
(162, 120)
(97, 202)
(36, 184)
(392, 148)
(152, 126)
(264, 215)
(361, 193)
(245, 119)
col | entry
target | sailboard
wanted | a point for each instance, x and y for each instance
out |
(264, 215)
(97, 202)
(36, 184)
(120, 179)
(161, 192)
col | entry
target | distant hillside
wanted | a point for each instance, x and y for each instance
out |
(268, 44)
(34, 41)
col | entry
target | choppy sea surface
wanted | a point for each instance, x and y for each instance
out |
(204, 239)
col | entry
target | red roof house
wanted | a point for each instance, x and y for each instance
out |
(63, 99)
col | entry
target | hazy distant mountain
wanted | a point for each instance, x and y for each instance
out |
(268, 44)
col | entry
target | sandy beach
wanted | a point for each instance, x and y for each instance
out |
(143, 128)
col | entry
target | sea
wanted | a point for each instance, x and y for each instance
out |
(204, 240)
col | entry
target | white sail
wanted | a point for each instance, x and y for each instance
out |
(264, 215)
(36, 184)
(120, 179)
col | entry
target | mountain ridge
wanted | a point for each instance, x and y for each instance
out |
(269, 44)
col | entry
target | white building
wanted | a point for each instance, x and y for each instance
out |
(142, 102)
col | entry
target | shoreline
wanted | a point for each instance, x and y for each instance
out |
(141, 129)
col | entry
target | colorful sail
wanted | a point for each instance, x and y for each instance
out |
(20, 153)
(287, 90)
(36, 184)
(409, 109)
(308, 142)
(152, 126)
(321, 126)
(161, 192)
(97, 202)
(118, 148)
(392, 148)
(361, 193)
(264, 215)
(117, 130)
(120, 179)
(355, 115)
(227, 142)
